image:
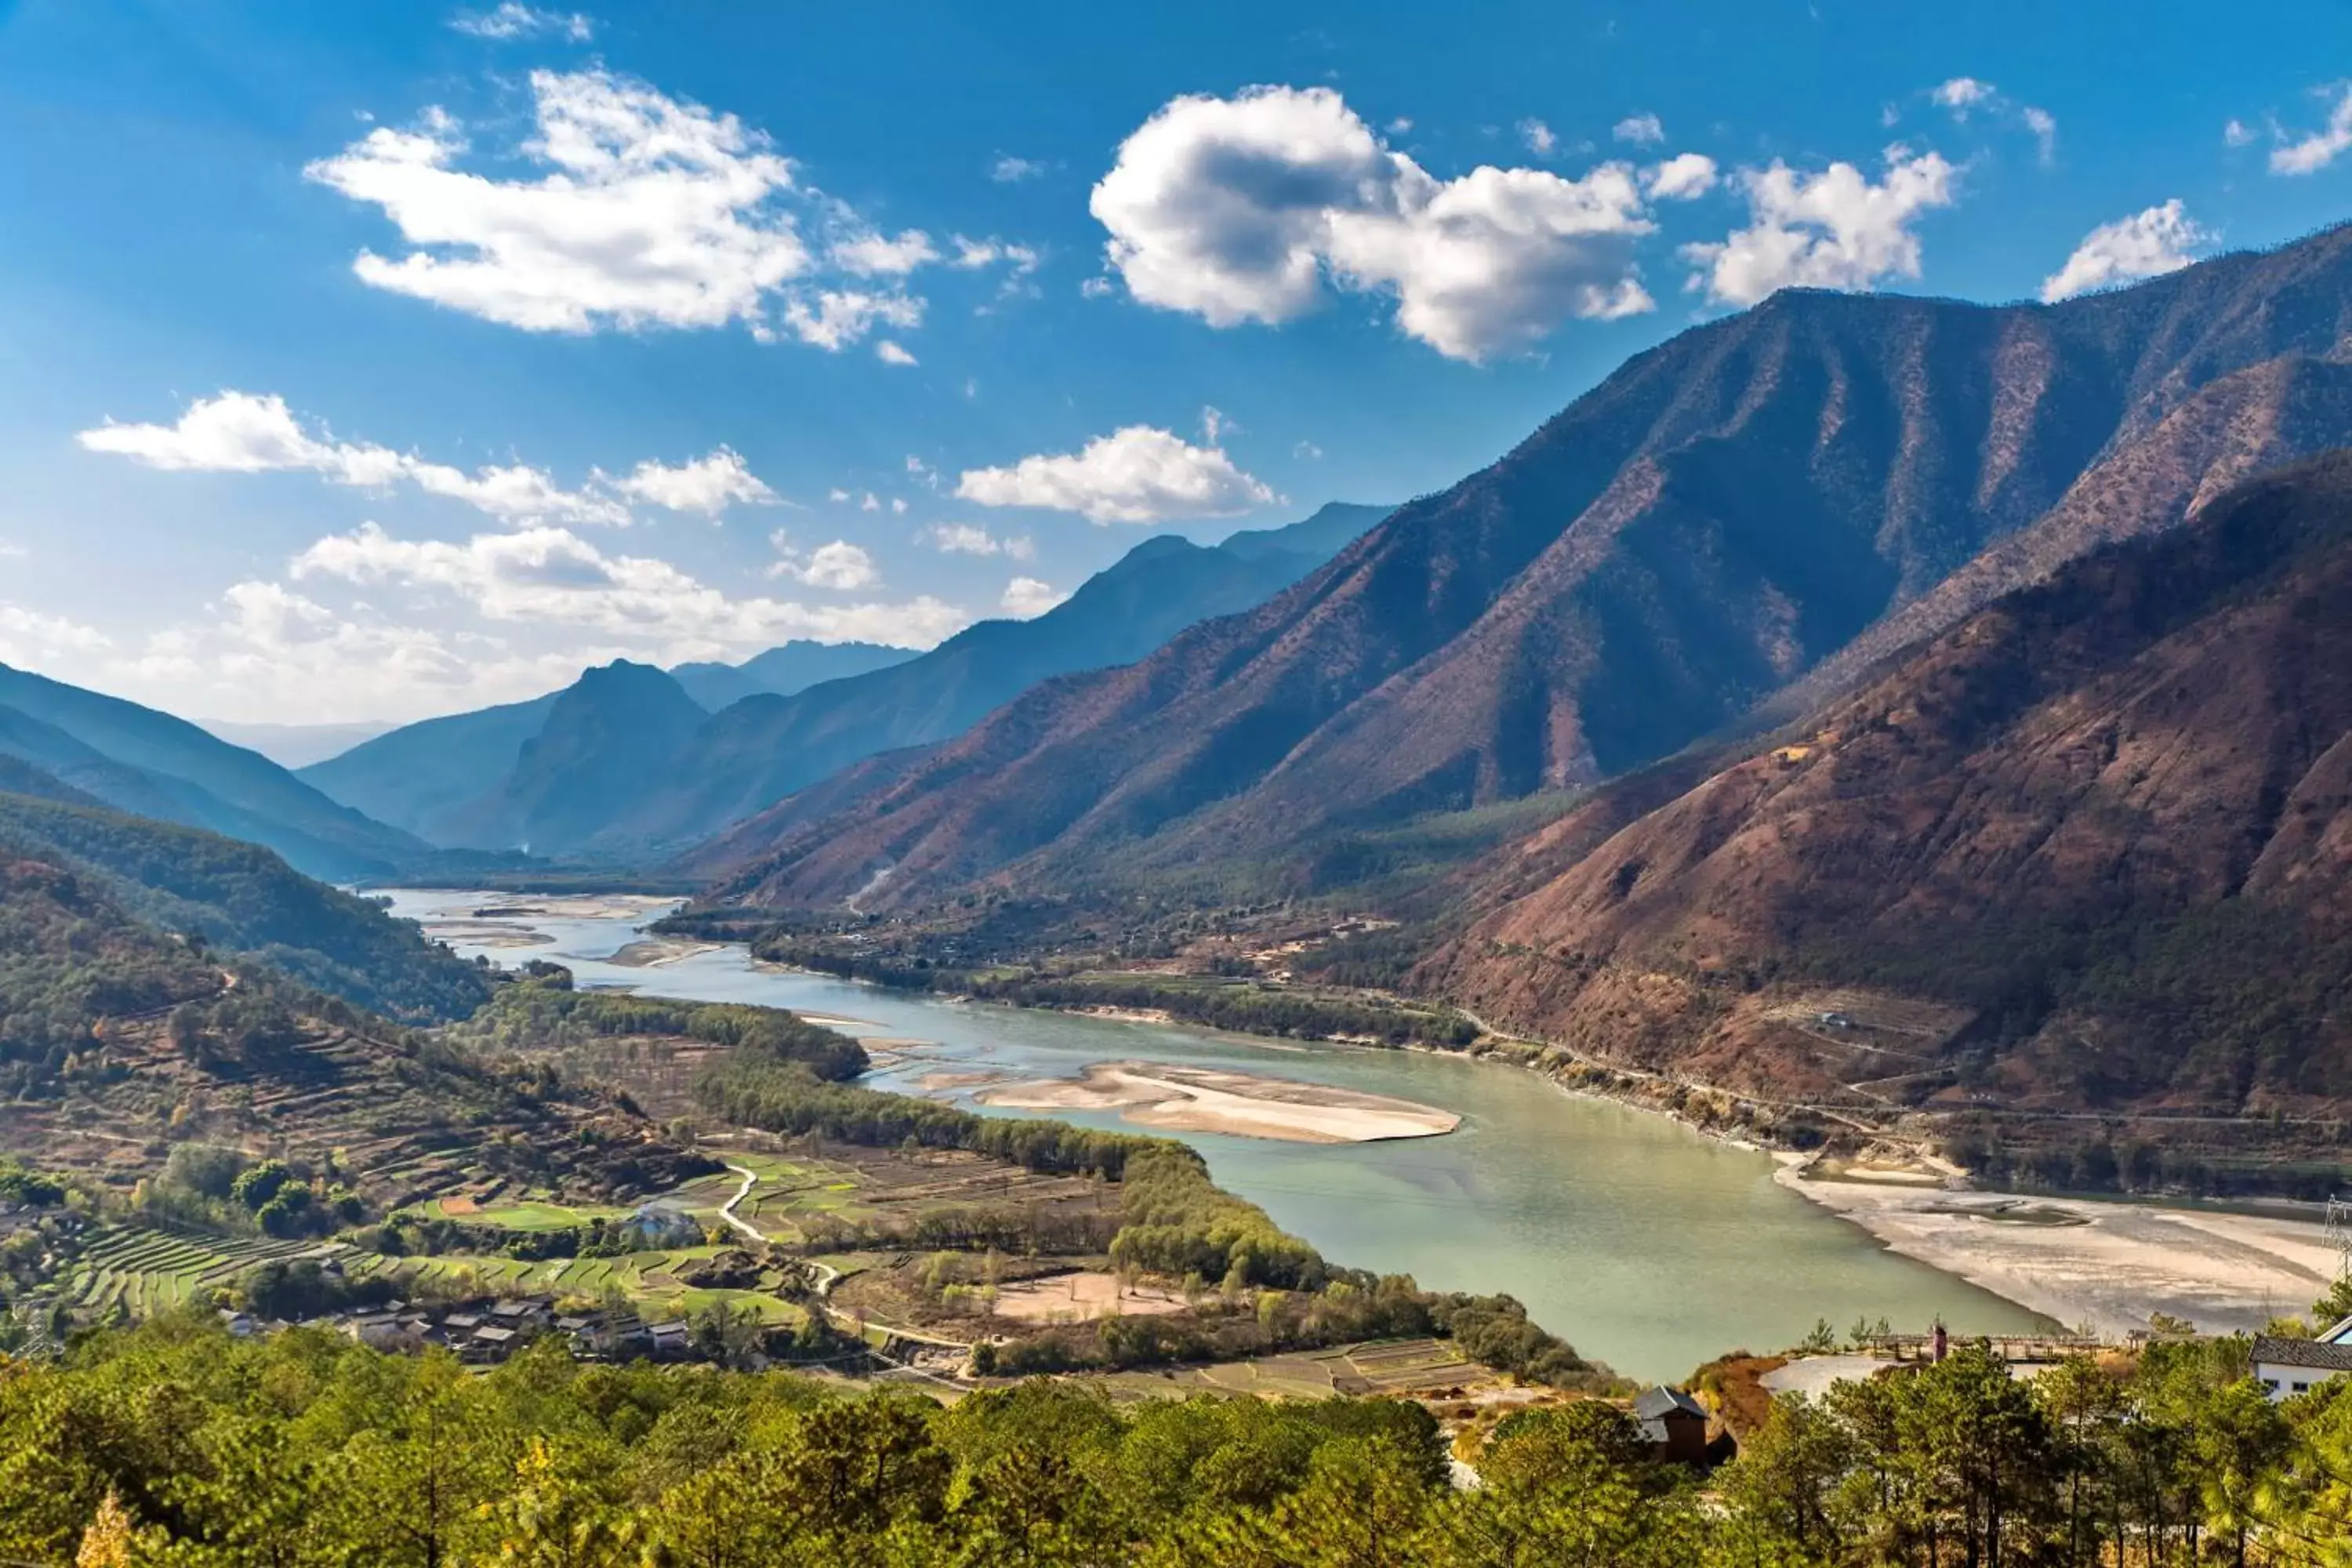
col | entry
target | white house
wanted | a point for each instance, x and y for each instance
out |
(2288, 1367)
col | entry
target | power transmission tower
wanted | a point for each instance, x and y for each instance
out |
(2339, 1235)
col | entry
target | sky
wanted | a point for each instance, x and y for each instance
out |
(370, 360)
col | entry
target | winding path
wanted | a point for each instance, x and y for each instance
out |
(727, 1210)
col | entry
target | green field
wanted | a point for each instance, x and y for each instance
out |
(646, 1279)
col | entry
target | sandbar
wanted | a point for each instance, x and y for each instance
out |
(2081, 1262)
(654, 953)
(1208, 1100)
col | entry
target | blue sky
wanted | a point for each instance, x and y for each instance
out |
(373, 361)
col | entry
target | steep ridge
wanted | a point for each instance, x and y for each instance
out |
(1715, 520)
(137, 760)
(763, 749)
(2092, 848)
(782, 671)
(589, 759)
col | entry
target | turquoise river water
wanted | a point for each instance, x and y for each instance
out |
(1644, 1243)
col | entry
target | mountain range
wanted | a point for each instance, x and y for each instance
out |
(1674, 556)
(152, 764)
(629, 758)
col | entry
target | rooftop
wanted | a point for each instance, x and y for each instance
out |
(2310, 1354)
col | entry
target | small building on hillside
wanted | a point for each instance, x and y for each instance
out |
(1674, 1424)
(2288, 1367)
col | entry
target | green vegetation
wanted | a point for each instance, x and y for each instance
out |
(543, 1010)
(243, 902)
(173, 1443)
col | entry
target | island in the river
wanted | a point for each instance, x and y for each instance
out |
(1211, 1099)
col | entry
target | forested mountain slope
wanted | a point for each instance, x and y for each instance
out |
(238, 899)
(2092, 848)
(140, 760)
(1703, 529)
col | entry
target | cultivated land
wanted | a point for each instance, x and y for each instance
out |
(1202, 1099)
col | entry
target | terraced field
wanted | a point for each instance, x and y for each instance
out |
(147, 1268)
(648, 1279)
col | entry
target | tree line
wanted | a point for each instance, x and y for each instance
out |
(174, 1444)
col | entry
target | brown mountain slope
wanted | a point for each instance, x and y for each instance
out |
(2090, 848)
(1707, 525)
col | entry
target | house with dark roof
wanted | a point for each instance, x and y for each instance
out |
(1674, 1424)
(2288, 1367)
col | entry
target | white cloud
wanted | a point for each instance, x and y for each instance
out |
(1025, 598)
(1139, 474)
(708, 484)
(1538, 137)
(2322, 147)
(869, 254)
(1094, 287)
(12, 550)
(871, 502)
(1834, 230)
(2237, 134)
(551, 577)
(1009, 170)
(838, 495)
(1243, 209)
(2145, 245)
(840, 565)
(512, 19)
(1641, 130)
(889, 352)
(968, 539)
(839, 317)
(1962, 93)
(1401, 125)
(899, 505)
(1681, 178)
(1307, 449)
(650, 212)
(31, 636)
(243, 433)
(2044, 126)
(973, 253)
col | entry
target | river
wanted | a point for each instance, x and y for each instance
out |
(1642, 1243)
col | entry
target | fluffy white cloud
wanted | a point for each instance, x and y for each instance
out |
(839, 565)
(1025, 598)
(1681, 178)
(551, 577)
(973, 253)
(12, 550)
(1539, 137)
(2237, 134)
(709, 485)
(512, 19)
(34, 638)
(1834, 230)
(1962, 93)
(1241, 209)
(869, 254)
(1009, 170)
(835, 318)
(968, 539)
(243, 432)
(2145, 245)
(891, 351)
(2322, 147)
(1641, 130)
(1139, 474)
(651, 212)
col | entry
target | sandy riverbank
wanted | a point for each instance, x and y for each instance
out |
(658, 952)
(2109, 1265)
(1205, 1099)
